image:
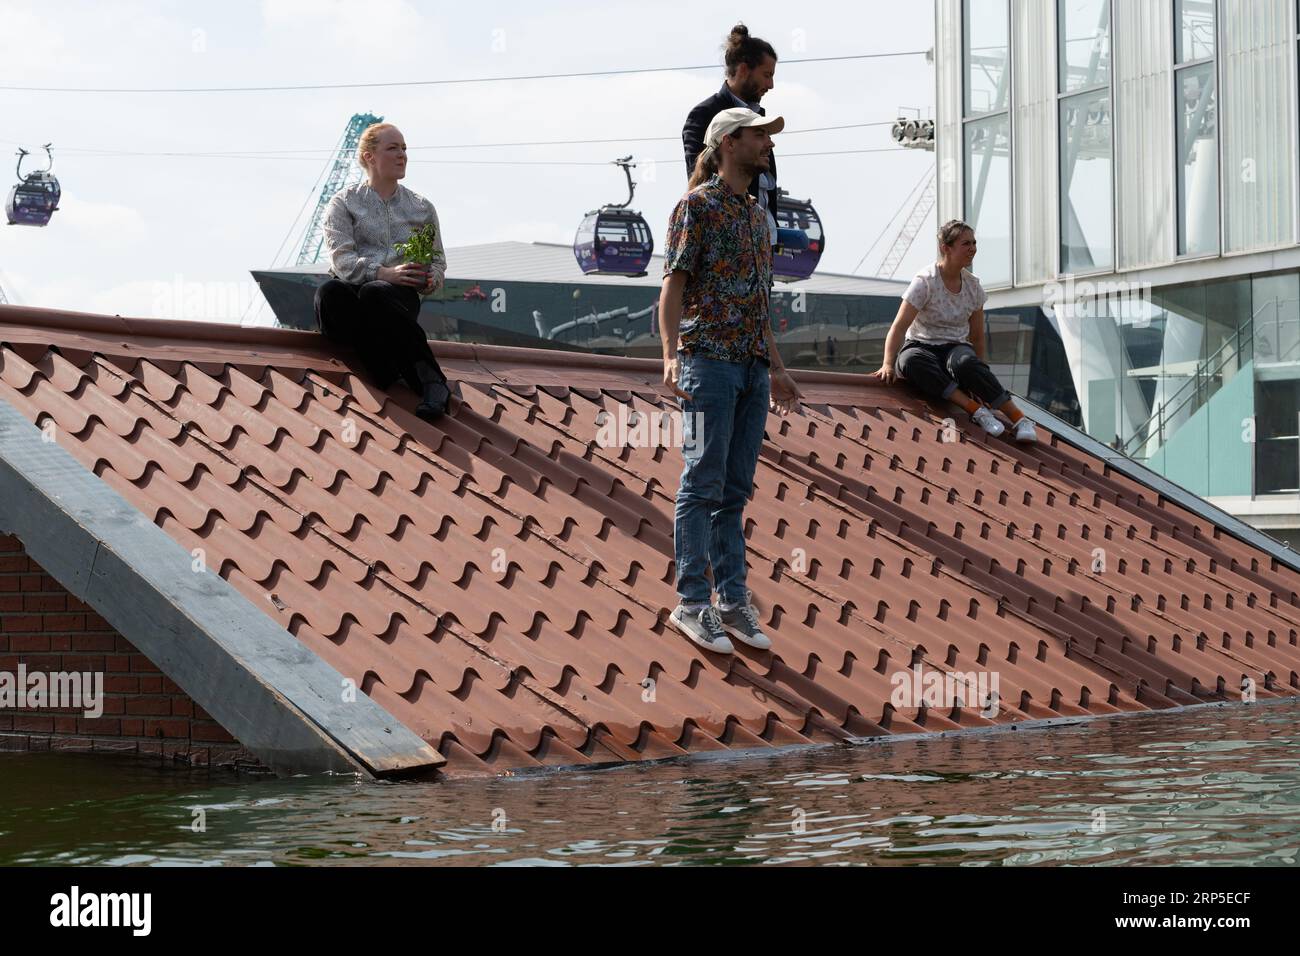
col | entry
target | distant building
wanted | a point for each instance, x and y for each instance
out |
(1084, 141)
(533, 294)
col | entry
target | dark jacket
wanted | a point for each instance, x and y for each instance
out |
(697, 124)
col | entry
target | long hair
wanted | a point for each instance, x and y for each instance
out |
(706, 164)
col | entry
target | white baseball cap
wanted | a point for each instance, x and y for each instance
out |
(738, 117)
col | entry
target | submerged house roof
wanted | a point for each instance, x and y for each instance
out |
(497, 584)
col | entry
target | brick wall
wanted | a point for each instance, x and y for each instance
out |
(45, 628)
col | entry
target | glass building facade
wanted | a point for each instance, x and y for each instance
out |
(1132, 165)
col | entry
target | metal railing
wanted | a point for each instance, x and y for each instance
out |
(1197, 388)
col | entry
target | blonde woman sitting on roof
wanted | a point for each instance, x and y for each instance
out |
(941, 325)
(372, 301)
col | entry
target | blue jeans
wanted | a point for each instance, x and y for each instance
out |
(722, 433)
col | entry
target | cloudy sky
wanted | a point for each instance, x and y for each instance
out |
(141, 232)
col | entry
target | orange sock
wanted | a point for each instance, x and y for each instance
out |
(1013, 413)
(971, 406)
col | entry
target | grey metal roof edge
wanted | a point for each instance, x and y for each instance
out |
(276, 696)
(1161, 485)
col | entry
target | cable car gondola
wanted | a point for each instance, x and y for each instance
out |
(615, 240)
(800, 241)
(35, 198)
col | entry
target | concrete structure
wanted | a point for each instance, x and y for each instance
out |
(1131, 166)
(532, 294)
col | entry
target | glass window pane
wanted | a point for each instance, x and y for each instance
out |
(1227, 307)
(1275, 301)
(1198, 161)
(1087, 243)
(1084, 56)
(987, 38)
(1277, 438)
(1194, 29)
(988, 196)
(1176, 392)
(1101, 374)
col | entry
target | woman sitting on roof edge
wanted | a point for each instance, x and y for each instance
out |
(372, 300)
(941, 320)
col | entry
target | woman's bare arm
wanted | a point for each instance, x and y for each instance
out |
(894, 341)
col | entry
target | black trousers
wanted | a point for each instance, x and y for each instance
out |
(939, 369)
(381, 321)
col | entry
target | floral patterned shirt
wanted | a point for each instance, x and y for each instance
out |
(721, 239)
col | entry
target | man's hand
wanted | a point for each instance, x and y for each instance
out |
(671, 373)
(431, 286)
(886, 374)
(785, 393)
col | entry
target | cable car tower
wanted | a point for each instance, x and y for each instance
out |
(344, 171)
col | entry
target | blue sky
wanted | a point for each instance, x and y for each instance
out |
(134, 230)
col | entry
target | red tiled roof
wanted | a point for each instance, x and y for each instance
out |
(500, 583)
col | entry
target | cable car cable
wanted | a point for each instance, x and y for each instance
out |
(247, 153)
(445, 82)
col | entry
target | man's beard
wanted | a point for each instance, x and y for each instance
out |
(752, 170)
(751, 92)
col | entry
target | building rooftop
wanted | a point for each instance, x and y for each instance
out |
(499, 582)
(553, 262)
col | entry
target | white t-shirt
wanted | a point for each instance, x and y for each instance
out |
(941, 315)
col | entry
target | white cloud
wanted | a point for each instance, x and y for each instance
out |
(130, 221)
(108, 223)
(29, 41)
(386, 27)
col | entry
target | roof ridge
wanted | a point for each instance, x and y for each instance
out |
(27, 322)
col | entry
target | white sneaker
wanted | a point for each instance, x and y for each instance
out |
(986, 420)
(704, 628)
(1025, 431)
(741, 622)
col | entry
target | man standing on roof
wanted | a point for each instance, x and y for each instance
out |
(725, 369)
(751, 68)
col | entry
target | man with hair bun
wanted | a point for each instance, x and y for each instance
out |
(751, 68)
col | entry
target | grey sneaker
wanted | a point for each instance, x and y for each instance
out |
(704, 628)
(742, 624)
(986, 420)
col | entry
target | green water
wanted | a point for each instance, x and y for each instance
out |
(1202, 787)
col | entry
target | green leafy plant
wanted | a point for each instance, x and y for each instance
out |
(419, 248)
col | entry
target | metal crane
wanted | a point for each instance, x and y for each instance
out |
(910, 133)
(907, 235)
(343, 171)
